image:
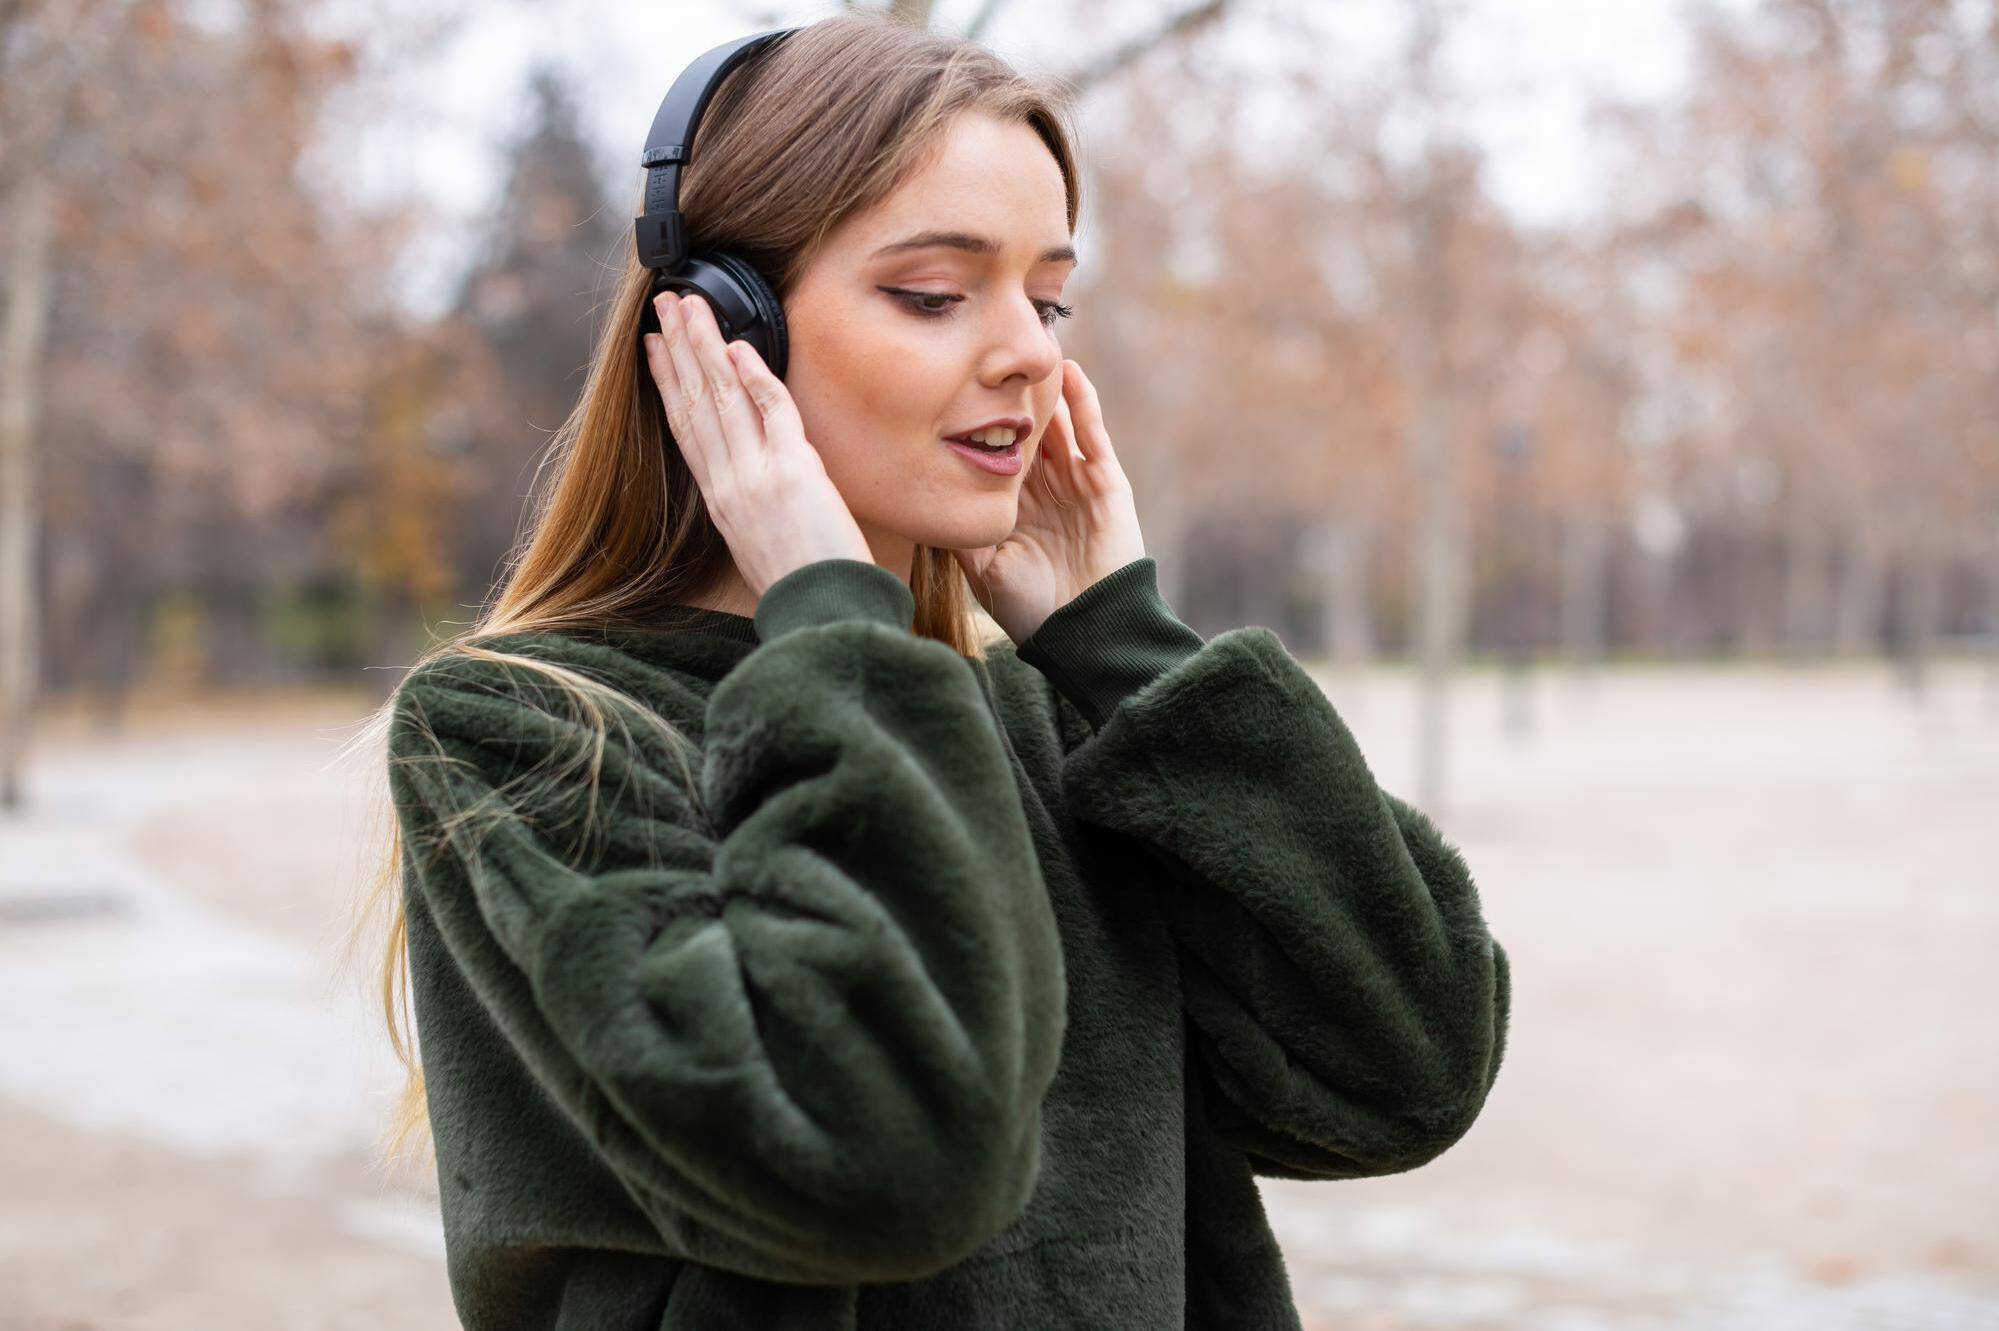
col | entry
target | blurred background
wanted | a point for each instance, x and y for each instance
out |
(1602, 400)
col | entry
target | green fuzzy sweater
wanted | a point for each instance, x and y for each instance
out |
(930, 992)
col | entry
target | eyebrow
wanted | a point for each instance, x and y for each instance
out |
(965, 240)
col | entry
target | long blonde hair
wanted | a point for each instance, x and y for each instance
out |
(795, 140)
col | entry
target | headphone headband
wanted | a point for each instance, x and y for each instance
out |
(661, 232)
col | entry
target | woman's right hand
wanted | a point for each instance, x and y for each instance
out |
(765, 484)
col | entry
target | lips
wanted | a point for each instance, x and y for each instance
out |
(1019, 426)
(1001, 461)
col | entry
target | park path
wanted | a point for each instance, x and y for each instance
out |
(1750, 1087)
(188, 1090)
(1753, 1075)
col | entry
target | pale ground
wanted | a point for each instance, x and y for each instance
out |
(1752, 1082)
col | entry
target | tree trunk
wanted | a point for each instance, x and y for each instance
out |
(1439, 604)
(1857, 611)
(1585, 553)
(21, 339)
(114, 632)
(1991, 638)
(1919, 605)
(1339, 549)
(1807, 608)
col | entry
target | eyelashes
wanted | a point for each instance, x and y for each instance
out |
(911, 300)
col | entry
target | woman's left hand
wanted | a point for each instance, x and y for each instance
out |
(1077, 520)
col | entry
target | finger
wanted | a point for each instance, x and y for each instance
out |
(741, 423)
(659, 359)
(661, 364)
(1085, 412)
(664, 377)
(1067, 418)
(696, 402)
(1053, 472)
(767, 393)
(1055, 443)
(1061, 442)
(661, 367)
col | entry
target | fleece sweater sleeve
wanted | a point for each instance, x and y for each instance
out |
(807, 1009)
(1347, 1005)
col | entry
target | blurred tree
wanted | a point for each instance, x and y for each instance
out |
(1822, 209)
(186, 314)
(548, 251)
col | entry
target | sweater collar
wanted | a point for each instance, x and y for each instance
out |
(694, 638)
(695, 619)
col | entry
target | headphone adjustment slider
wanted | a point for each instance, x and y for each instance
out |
(662, 239)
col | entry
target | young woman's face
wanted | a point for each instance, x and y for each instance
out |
(879, 383)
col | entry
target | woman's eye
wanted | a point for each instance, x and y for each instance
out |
(914, 299)
(914, 302)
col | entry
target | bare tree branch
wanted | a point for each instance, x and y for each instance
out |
(1179, 25)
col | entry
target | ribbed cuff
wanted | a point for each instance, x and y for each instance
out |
(1115, 637)
(828, 590)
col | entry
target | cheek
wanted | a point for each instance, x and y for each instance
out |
(873, 389)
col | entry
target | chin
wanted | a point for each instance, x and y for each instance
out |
(970, 525)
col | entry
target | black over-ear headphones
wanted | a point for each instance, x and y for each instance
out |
(745, 306)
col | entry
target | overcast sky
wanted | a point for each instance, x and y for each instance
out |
(1527, 68)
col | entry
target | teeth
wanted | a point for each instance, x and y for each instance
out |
(999, 436)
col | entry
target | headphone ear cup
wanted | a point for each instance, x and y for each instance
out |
(743, 302)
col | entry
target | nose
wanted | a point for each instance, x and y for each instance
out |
(1024, 346)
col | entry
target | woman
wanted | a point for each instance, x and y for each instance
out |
(784, 954)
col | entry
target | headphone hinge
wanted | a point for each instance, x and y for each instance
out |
(662, 239)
